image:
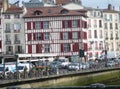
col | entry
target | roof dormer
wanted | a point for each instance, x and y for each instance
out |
(64, 11)
(37, 12)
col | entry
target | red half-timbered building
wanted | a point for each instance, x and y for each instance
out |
(55, 30)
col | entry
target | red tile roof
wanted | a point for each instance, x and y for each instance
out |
(14, 9)
(62, 2)
(51, 11)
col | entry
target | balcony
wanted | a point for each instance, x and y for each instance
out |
(20, 51)
(16, 30)
(9, 52)
(117, 38)
(17, 41)
(8, 42)
(106, 38)
(111, 38)
(7, 31)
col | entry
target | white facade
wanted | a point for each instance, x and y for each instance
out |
(112, 30)
(95, 33)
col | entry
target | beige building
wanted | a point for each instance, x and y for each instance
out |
(111, 28)
(13, 29)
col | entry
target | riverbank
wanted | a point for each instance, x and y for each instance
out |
(83, 78)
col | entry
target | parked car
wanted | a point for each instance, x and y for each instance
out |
(110, 63)
(7, 68)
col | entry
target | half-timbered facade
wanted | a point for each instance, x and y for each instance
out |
(55, 30)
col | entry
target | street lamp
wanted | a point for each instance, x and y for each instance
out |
(92, 42)
(72, 43)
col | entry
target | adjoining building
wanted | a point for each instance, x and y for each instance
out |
(111, 29)
(12, 31)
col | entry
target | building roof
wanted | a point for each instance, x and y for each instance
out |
(50, 12)
(62, 2)
(14, 9)
(110, 11)
(33, 3)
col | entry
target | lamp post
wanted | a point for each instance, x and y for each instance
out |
(92, 42)
(72, 43)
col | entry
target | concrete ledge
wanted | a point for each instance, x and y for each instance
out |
(52, 80)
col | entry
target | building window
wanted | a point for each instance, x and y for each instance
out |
(17, 27)
(46, 24)
(7, 26)
(75, 35)
(116, 26)
(106, 35)
(9, 49)
(38, 36)
(116, 18)
(17, 16)
(7, 37)
(100, 23)
(101, 35)
(65, 36)
(111, 27)
(89, 33)
(18, 49)
(95, 33)
(95, 23)
(66, 24)
(37, 24)
(110, 17)
(94, 14)
(106, 26)
(105, 17)
(89, 23)
(117, 35)
(16, 37)
(47, 48)
(111, 36)
(66, 47)
(96, 45)
(74, 23)
(7, 16)
(46, 36)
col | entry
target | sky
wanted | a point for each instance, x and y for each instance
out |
(92, 3)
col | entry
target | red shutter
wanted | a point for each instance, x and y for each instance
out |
(38, 48)
(61, 36)
(70, 24)
(41, 24)
(29, 36)
(79, 34)
(85, 24)
(63, 24)
(34, 25)
(29, 48)
(34, 36)
(75, 47)
(62, 48)
(85, 47)
(78, 23)
(28, 25)
(70, 35)
(0, 44)
(85, 35)
(0, 21)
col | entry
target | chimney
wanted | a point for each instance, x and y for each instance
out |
(109, 7)
(5, 5)
(113, 8)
